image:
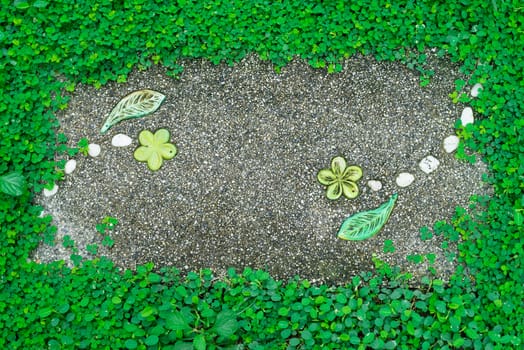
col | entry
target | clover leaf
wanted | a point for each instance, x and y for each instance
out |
(340, 179)
(154, 148)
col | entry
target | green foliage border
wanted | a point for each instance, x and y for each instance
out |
(95, 306)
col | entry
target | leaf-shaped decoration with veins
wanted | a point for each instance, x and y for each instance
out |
(366, 224)
(13, 184)
(137, 104)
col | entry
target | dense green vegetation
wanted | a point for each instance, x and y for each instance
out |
(47, 46)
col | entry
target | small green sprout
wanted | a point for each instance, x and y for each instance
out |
(154, 148)
(340, 179)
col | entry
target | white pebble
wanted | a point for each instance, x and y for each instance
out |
(404, 179)
(451, 143)
(51, 192)
(476, 89)
(121, 140)
(70, 166)
(428, 164)
(375, 185)
(93, 149)
(467, 116)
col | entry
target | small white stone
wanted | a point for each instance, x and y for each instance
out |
(475, 89)
(428, 164)
(467, 116)
(404, 179)
(375, 185)
(93, 149)
(121, 140)
(51, 192)
(70, 166)
(451, 143)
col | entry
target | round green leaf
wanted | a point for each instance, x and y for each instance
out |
(131, 344)
(326, 177)
(334, 191)
(338, 165)
(167, 150)
(161, 136)
(143, 153)
(151, 340)
(350, 189)
(146, 138)
(352, 173)
(154, 162)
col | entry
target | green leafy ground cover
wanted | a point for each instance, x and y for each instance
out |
(49, 46)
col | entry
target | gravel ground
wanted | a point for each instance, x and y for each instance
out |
(242, 190)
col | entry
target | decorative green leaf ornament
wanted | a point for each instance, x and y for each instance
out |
(154, 148)
(366, 224)
(12, 184)
(136, 104)
(340, 179)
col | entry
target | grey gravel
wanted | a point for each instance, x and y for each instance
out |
(242, 190)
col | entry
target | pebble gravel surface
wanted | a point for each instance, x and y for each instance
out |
(242, 190)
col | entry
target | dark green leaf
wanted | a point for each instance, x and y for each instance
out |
(151, 340)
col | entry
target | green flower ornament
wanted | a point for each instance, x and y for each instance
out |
(154, 148)
(340, 179)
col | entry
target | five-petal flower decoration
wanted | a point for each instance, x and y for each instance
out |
(154, 148)
(340, 179)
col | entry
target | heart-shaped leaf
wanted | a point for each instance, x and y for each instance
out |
(366, 224)
(137, 104)
(12, 184)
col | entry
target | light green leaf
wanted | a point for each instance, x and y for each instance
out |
(350, 189)
(12, 184)
(199, 343)
(167, 150)
(226, 323)
(338, 165)
(367, 223)
(183, 346)
(154, 162)
(326, 177)
(334, 191)
(352, 173)
(143, 153)
(137, 104)
(175, 321)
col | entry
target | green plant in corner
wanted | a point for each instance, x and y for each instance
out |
(340, 179)
(108, 224)
(154, 148)
(366, 224)
(83, 146)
